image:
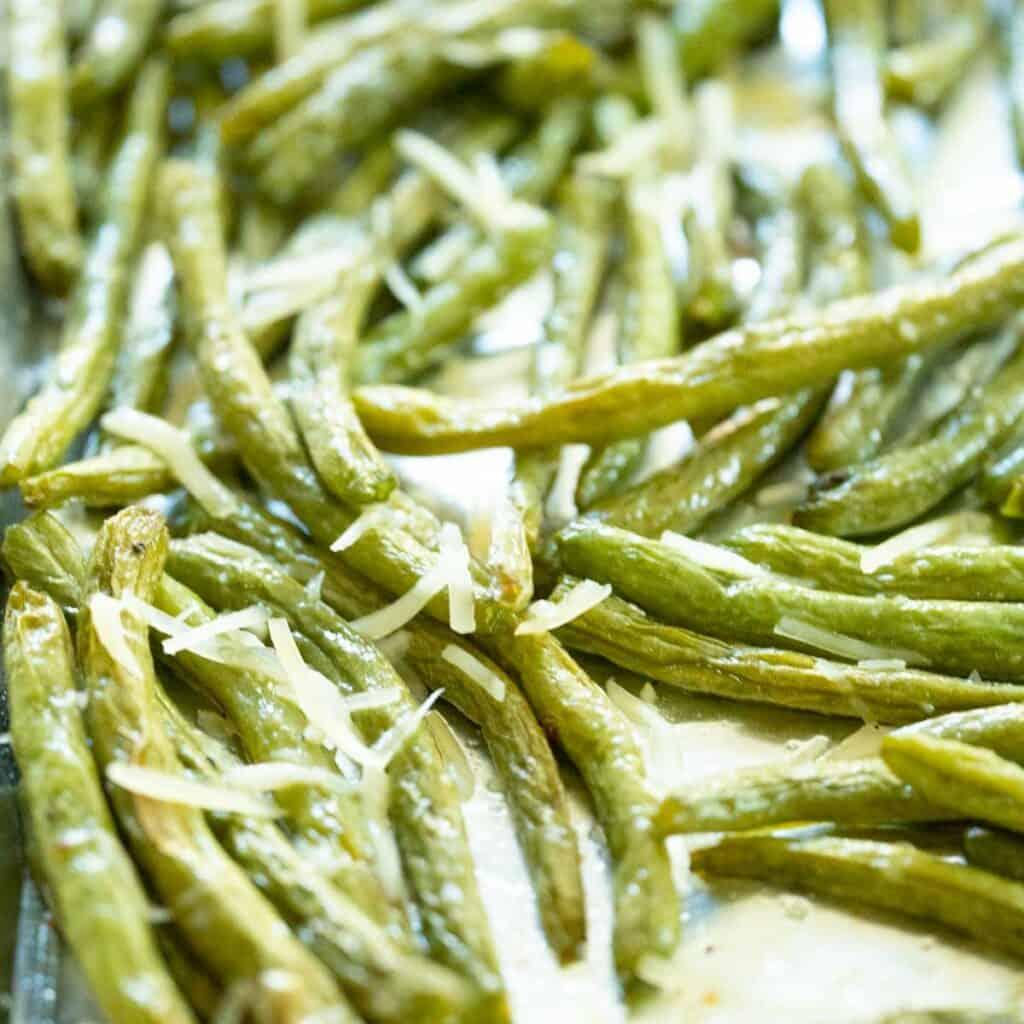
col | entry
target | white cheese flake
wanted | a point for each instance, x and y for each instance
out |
(840, 644)
(711, 556)
(231, 622)
(178, 789)
(109, 627)
(545, 616)
(489, 681)
(175, 448)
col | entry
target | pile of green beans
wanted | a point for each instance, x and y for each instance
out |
(277, 235)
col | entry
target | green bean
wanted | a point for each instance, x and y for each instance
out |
(201, 991)
(370, 178)
(964, 779)
(889, 876)
(924, 72)
(424, 807)
(578, 266)
(288, 83)
(530, 171)
(600, 743)
(262, 229)
(895, 489)
(949, 1017)
(246, 405)
(384, 981)
(99, 901)
(665, 85)
(330, 828)
(736, 368)
(91, 140)
(407, 342)
(693, 662)
(857, 792)
(857, 43)
(949, 571)
(1002, 853)
(359, 99)
(560, 64)
(712, 31)
(953, 636)
(1014, 39)
(727, 462)
(140, 373)
(114, 48)
(517, 745)
(40, 436)
(650, 330)
(43, 551)
(42, 184)
(779, 229)
(838, 259)
(225, 920)
(325, 339)
(708, 293)
(233, 28)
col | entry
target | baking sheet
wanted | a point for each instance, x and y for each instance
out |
(749, 954)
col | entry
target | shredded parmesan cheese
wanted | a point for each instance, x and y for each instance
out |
(248, 618)
(268, 776)
(455, 555)
(106, 621)
(882, 664)
(314, 586)
(402, 731)
(403, 288)
(545, 616)
(916, 537)
(175, 448)
(491, 683)
(841, 645)
(177, 789)
(711, 556)
(371, 517)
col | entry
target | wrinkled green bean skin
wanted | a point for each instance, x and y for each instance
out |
(889, 876)
(1002, 853)
(735, 368)
(99, 901)
(225, 920)
(896, 488)
(976, 783)
(424, 807)
(988, 573)
(40, 142)
(727, 462)
(40, 436)
(953, 636)
(516, 743)
(627, 637)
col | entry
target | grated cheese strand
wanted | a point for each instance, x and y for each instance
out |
(106, 621)
(175, 448)
(247, 618)
(545, 616)
(491, 683)
(268, 776)
(455, 556)
(178, 789)
(711, 556)
(371, 516)
(839, 644)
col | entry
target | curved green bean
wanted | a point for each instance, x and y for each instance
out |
(42, 185)
(736, 368)
(890, 876)
(627, 637)
(952, 636)
(100, 903)
(40, 436)
(709, 32)
(727, 462)
(424, 807)
(894, 489)
(225, 920)
(41, 550)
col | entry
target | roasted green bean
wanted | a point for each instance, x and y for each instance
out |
(40, 144)
(114, 47)
(223, 917)
(38, 439)
(736, 368)
(952, 636)
(999, 852)
(100, 903)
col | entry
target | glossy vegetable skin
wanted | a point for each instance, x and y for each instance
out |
(889, 876)
(99, 900)
(40, 142)
(225, 920)
(735, 368)
(953, 636)
(40, 436)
